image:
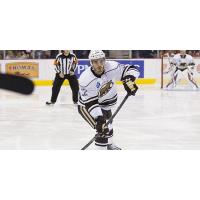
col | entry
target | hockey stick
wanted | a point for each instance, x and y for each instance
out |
(111, 118)
(170, 64)
(17, 84)
(170, 69)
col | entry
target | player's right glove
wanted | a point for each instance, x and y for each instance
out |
(102, 130)
(129, 85)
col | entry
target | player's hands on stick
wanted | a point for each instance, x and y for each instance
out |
(102, 130)
(129, 85)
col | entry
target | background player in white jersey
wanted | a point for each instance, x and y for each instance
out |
(179, 63)
(98, 94)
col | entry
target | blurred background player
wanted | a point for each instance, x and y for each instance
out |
(98, 94)
(179, 63)
(66, 63)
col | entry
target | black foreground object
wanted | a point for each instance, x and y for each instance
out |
(17, 84)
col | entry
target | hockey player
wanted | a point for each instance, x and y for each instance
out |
(97, 94)
(179, 63)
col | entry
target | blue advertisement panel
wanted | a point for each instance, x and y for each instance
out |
(84, 64)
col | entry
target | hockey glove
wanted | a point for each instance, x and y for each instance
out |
(129, 85)
(100, 126)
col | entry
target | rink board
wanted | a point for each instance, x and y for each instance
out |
(149, 69)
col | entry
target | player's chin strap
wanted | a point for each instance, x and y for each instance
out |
(111, 118)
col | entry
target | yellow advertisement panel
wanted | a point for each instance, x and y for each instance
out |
(29, 69)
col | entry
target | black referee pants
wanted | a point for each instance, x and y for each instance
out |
(58, 81)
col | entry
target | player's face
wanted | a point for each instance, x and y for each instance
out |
(98, 65)
(182, 53)
(66, 52)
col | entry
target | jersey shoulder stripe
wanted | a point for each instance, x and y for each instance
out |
(112, 69)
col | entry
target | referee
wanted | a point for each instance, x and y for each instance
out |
(66, 64)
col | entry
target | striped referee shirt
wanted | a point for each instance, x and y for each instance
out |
(65, 64)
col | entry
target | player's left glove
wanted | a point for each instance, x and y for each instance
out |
(102, 130)
(129, 84)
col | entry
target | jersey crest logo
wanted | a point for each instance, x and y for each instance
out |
(84, 92)
(105, 88)
(98, 85)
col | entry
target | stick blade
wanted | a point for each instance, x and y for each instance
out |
(17, 84)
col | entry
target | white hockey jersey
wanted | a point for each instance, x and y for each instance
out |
(182, 62)
(99, 92)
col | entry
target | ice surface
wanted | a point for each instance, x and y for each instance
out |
(153, 119)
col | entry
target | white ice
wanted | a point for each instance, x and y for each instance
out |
(153, 119)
